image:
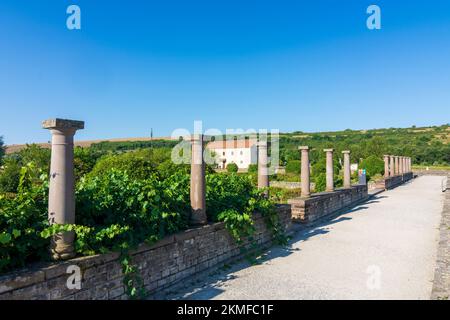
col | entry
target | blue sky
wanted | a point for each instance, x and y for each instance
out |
(288, 65)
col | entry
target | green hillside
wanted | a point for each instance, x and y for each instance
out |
(425, 145)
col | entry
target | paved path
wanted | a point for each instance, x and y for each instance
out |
(383, 249)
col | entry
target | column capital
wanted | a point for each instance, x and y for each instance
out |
(303, 148)
(61, 124)
(328, 150)
(346, 152)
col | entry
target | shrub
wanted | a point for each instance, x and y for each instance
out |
(22, 218)
(320, 181)
(85, 160)
(137, 165)
(373, 165)
(293, 167)
(252, 168)
(232, 167)
(9, 175)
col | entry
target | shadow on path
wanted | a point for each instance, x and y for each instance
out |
(207, 286)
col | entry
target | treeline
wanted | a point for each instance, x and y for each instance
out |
(425, 145)
(132, 145)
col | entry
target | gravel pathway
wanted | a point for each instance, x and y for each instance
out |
(383, 249)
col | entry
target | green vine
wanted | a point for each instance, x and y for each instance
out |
(132, 280)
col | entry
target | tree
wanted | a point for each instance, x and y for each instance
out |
(373, 165)
(2, 149)
(232, 167)
(252, 168)
(293, 167)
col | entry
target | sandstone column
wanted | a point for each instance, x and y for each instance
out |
(61, 197)
(409, 164)
(391, 166)
(198, 183)
(400, 165)
(347, 171)
(306, 191)
(397, 171)
(263, 172)
(386, 166)
(330, 173)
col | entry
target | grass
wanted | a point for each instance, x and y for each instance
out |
(421, 167)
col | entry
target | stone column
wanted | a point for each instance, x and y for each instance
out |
(386, 166)
(405, 168)
(330, 173)
(61, 194)
(198, 183)
(391, 166)
(306, 191)
(347, 171)
(409, 164)
(263, 171)
(397, 171)
(400, 165)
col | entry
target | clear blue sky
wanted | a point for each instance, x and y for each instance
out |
(288, 65)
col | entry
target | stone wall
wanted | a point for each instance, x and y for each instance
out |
(432, 172)
(306, 210)
(161, 265)
(395, 181)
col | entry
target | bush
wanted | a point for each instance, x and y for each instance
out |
(85, 160)
(12, 164)
(373, 165)
(320, 181)
(232, 168)
(9, 175)
(252, 168)
(293, 167)
(22, 218)
(138, 165)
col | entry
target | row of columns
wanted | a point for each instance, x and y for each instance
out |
(396, 165)
(61, 202)
(305, 174)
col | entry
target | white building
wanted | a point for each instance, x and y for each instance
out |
(242, 152)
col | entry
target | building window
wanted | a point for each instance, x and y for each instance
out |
(242, 153)
(223, 153)
(232, 153)
(242, 162)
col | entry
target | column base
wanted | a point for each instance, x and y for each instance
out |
(60, 250)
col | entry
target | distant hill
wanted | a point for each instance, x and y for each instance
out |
(426, 145)
(86, 143)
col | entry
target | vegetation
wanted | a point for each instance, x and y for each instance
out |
(118, 146)
(373, 166)
(122, 200)
(232, 168)
(425, 145)
(293, 167)
(128, 193)
(2, 149)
